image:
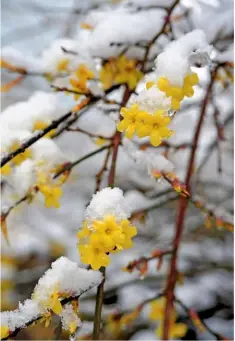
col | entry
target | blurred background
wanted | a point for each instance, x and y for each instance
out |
(38, 235)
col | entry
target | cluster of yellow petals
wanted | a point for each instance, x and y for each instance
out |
(41, 125)
(102, 238)
(176, 330)
(144, 124)
(177, 93)
(51, 191)
(79, 83)
(120, 70)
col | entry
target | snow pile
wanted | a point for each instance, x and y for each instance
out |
(175, 61)
(68, 317)
(152, 99)
(41, 106)
(109, 201)
(18, 318)
(68, 277)
(149, 159)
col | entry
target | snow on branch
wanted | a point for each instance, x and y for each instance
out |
(61, 284)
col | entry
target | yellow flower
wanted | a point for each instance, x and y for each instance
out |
(102, 238)
(46, 318)
(100, 141)
(113, 325)
(129, 232)
(157, 310)
(62, 65)
(85, 232)
(6, 170)
(51, 191)
(176, 330)
(157, 313)
(120, 70)
(84, 73)
(18, 159)
(4, 332)
(40, 125)
(145, 124)
(93, 256)
(79, 84)
(54, 303)
(177, 93)
(52, 195)
(129, 317)
(108, 234)
(156, 127)
(129, 121)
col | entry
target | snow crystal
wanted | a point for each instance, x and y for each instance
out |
(152, 99)
(68, 315)
(48, 152)
(69, 278)
(148, 159)
(23, 115)
(54, 53)
(109, 201)
(20, 317)
(23, 177)
(19, 59)
(128, 33)
(9, 137)
(175, 61)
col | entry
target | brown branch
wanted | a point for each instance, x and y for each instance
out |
(70, 165)
(141, 264)
(34, 138)
(183, 203)
(88, 133)
(103, 169)
(63, 302)
(111, 179)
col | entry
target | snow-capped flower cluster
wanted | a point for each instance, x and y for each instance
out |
(106, 228)
(19, 123)
(109, 201)
(64, 279)
(173, 80)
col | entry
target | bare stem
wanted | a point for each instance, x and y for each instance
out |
(183, 203)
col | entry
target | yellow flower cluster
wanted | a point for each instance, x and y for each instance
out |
(120, 70)
(17, 160)
(144, 124)
(103, 237)
(79, 84)
(40, 125)
(52, 192)
(176, 330)
(176, 93)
